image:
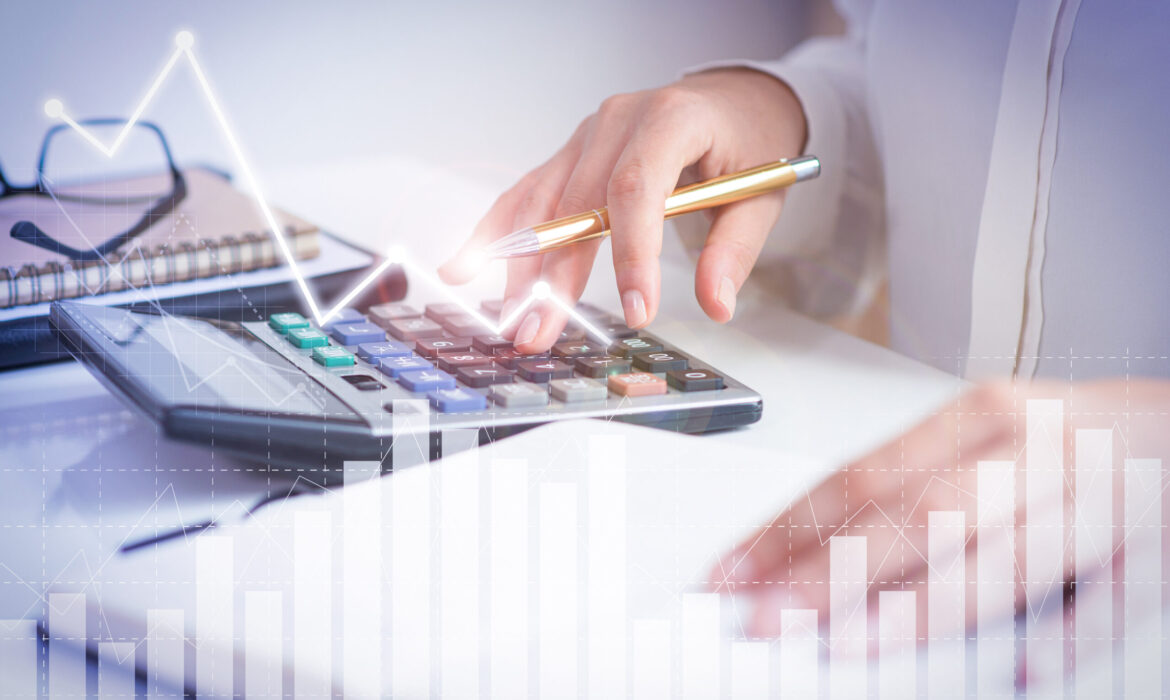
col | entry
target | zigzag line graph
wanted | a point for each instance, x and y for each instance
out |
(396, 255)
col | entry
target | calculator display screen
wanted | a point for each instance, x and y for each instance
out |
(214, 365)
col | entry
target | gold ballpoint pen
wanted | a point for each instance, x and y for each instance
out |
(715, 192)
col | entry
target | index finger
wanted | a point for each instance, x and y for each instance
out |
(670, 138)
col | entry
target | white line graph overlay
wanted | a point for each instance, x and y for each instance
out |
(184, 41)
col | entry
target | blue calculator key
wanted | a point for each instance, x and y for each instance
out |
(357, 333)
(457, 400)
(344, 316)
(394, 366)
(426, 380)
(387, 348)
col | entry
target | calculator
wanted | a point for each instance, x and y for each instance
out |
(288, 392)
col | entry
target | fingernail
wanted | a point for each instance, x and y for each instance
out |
(634, 306)
(727, 296)
(527, 331)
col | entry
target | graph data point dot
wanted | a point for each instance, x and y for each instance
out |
(395, 253)
(541, 290)
(54, 108)
(184, 39)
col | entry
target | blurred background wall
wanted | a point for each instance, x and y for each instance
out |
(498, 85)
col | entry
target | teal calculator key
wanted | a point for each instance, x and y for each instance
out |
(333, 356)
(283, 323)
(307, 338)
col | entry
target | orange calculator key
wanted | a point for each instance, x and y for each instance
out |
(637, 384)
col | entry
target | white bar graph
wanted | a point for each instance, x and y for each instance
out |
(67, 637)
(800, 674)
(749, 670)
(263, 645)
(312, 603)
(606, 559)
(411, 541)
(946, 604)
(1044, 551)
(558, 590)
(1143, 578)
(995, 593)
(214, 616)
(116, 670)
(847, 617)
(412, 430)
(165, 653)
(700, 645)
(897, 645)
(362, 580)
(509, 578)
(651, 649)
(1093, 524)
(459, 592)
(18, 658)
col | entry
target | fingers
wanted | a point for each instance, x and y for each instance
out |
(567, 270)
(672, 135)
(737, 236)
(528, 197)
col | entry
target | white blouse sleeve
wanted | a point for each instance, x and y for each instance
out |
(832, 226)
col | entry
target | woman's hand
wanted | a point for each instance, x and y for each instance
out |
(887, 495)
(629, 156)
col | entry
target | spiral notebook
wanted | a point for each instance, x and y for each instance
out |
(215, 230)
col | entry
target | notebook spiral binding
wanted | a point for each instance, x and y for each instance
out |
(146, 265)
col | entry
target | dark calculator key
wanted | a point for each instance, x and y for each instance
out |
(694, 380)
(617, 331)
(571, 333)
(492, 308)
(541, 371)
(598, 367)
(386, 348)
(355, 333)
(485, 375)
(578, 348)
(364, 382)
(395, 366)
(451, 361)
(464, 325)
(426, 380)
(508, 357)
(414, 328)
(346, 315)
(430, 347)
(457, 400)
(488, 344)
(660, 361)
(441, 311)
(590, 311)
(628, 347)
(383, 314)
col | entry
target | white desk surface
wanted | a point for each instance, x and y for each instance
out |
(80, 470)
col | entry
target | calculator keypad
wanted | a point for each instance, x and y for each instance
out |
(445, 355)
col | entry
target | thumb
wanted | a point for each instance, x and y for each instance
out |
(737, 236)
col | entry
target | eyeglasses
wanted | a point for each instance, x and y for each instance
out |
(158, 203)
